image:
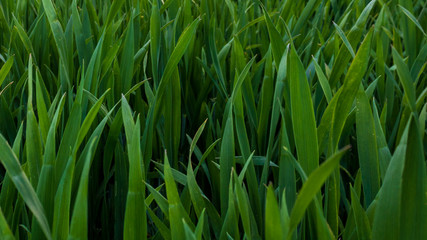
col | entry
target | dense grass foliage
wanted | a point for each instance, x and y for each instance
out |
(213, 119)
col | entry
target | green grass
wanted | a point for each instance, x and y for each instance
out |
(213, 119)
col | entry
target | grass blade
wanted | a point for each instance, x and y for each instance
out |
(310, 188)
(23, 185)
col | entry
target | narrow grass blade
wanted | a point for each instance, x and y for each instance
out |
(405, 79)
(323, 81)
(5, 70)
(155, 41)
(344, 39)
(196, 138)
(226, 161)
(126, 63)
(413, 19)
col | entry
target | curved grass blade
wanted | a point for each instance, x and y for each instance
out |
(310, 188)
(23, 185)
(344, 39)
(178, 52)
(324, 83)
(5, 70)
(335, 115)
(196, 138)
(413, 19)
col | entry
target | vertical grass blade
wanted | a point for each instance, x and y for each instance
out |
(79, 220)
(135, 225)
(367, 147)
(303, 121)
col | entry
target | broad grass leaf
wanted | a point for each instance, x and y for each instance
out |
(177, 213)
(386, 223)
(310, 188)
(23, 185)
(405, 79)
(79, 219)
(362, 222)
(367, 147)
(273, 219)
(4, 228)
(335, 115)
(302, 112)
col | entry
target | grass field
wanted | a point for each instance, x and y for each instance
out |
(213, 119)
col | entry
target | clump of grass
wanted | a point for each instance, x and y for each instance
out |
(216, 119)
